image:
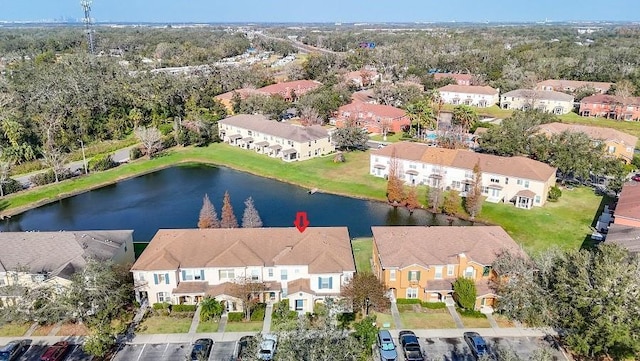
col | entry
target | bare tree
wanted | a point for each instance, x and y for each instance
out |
(310, 116)
(150, 138)
(248, 291)
(55, 159)
(251, 218)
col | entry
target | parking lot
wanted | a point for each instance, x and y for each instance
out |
(37, 349)
(172, 352)
(455, 349)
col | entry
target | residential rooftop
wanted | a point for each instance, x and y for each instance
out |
(539, 95)
(261, 124)
(629, 202)
(469, 89)
(592, 132)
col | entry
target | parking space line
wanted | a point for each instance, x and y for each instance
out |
(141, 351)
(165, 350)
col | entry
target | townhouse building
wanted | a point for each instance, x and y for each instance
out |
(182, 266)
(617, 144)
(35, 259)
(417, 262)
(460, 79)
(544, 100)
(291, 90)
(477, 96)
(611, 107)
(520, 181)
(375, 118)
(571, 86)
(285, 141)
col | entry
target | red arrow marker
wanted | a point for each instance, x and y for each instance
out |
(301, 221)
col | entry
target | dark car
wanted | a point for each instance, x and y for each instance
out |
(245, 348)
(410, 346)
(56, 352)
(636, 177)
(13, 350)
(201, 349)
(477, 344)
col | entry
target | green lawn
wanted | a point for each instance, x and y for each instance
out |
(13, 329)
(362, 250)
(427, 319)
(251, 326)
(383, 318)
(390, 138)
(207, 327)
(564, 223)
(164, 324)
(474, 322)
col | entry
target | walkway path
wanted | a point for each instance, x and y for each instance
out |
(196, 320)
(266, 326)
(456, 316)
(56, 328)
(492, 320)
(31, 329)
(223, 322)
(396, 315)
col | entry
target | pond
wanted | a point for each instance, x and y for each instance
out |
(172, 198)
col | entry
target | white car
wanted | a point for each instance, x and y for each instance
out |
(268, 347)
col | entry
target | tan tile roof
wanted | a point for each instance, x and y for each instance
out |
(385, 111)
(323, 249)
(593, 132)
(629, 201)
(520, 167)
(190, 287)
(439, 285)
(574, 84)
(225, 288)
(609, 99)
(402, 246)
(299, 285)
(469, 89)
(539, 95)
(260, 123)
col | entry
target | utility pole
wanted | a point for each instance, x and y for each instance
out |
(86, 6)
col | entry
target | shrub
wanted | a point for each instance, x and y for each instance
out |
(408, 301)
(465, 293)
(160, 306)
(165, 128)
(471, 313)
(102, 162)
(135, 153)
(11, 186)
(554, 194)
(345, 319)
(48, 177)
(434, 305)
(183, 308)
(168, 142)
(258, 312)
(235, 316)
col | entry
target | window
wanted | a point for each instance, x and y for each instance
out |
(227, 274)
(526, 184)
(299, 305)
(537, 199)
(495, 180)
(192, 275)
(450, 269)
(255, 274)
(325, 283)
(455, 185)
(163, 297)
(413, 166)
(412, 293)
(141, 276)
(438, 275)
(486, 271)
(270, 272)
(159, 278)
(485, 190)
(468, 174)
(392, 275)
(283, 275)
(414, 275)
(519, 182)
(506, 181)
(469, 272)
(249, 132)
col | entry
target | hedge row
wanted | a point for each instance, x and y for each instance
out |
(415, 301)
(235, 316)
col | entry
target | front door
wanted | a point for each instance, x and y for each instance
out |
(299, 305)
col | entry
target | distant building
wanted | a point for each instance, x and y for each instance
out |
(422, 263)
(375, 118)
(543, 100)
(33, 259)
(460, 79)
(279, 140)
(571, 86)
(627, 212)
(291, 90)
(611, 107)
(521, 181)
(227, 98)
(477, 96)
(617, 144)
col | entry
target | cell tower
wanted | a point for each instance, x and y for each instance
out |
(86, 5)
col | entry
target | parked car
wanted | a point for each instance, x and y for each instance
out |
(244, 352)
(477, 344)
(201, 349)
(386, 346)
(636, 177)
(56, 352)
(13, 350)
(268, 347)
(410, 346)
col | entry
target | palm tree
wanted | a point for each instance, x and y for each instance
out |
(465, 117)
(421, 114)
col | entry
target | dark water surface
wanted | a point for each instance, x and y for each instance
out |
(172, 198)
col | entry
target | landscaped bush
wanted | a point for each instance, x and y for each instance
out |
(183, 308)
(48, 177)
(135, 153)
(11, 186)
(258, 312)
(102, 162)
(471, 313)
(281, 311)
(554, 194)
(160, 306)
(408, 301)
(434, 305)
(235, 316)
(165, 128)
(168, 142)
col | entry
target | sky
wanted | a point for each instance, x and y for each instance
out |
(176, 11)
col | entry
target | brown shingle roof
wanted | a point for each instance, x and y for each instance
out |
(324, 249)
(243, 92)
(610, 99)
(457, 77)
(190, 287)
(574, 84)
(539, 95)
(376, 110)
(592, 132)
(263, 125)
(520, 167)
(403, 246)
(629, 201)
(469, 89)
(298, 86)
(300, 285)
(624, 236)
